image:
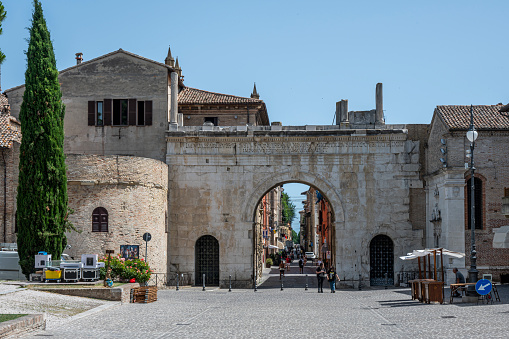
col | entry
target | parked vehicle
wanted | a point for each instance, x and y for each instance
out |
(310, 255)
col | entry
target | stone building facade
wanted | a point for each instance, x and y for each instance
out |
(117, 111)
(129, 194)
(218, 176)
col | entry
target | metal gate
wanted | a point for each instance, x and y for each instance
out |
(207, 261)
(381, 252)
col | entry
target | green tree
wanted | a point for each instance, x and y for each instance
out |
(288, 209)
(3, 13)
(42, 189)
(295, 237)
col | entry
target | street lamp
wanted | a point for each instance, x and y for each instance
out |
(472, 273)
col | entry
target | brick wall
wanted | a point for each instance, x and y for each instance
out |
(11, 157)
(134, 192)
(492, 166)
(227, 115)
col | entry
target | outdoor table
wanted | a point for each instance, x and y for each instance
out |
(456, 287)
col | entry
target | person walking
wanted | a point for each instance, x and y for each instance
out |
(320, 275)
(281, 268)
(301, 265)
(332, 276)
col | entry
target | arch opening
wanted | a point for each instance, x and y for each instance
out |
(292, 220)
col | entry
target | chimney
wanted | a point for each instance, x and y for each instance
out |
(379, 111)
(341, 111)
(79, 58)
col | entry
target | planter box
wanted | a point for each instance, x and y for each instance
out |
(145, 294)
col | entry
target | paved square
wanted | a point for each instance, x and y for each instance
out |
(293, 312)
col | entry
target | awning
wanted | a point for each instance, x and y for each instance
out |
(421, 253)
(274, 247)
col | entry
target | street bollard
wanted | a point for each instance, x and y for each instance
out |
(230, 289)
(306, 283)
(360, 281)
(386, 280)
(203, 282)
(177, 281)
(256, 286)
(282, 282)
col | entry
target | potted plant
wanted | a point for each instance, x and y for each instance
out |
(268, 262)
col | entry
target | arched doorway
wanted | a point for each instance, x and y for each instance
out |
(381, 251)
(292, 218)
(207, 260)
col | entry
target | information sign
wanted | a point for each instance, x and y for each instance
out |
(483, 286)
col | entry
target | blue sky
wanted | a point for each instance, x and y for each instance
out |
(304, 56)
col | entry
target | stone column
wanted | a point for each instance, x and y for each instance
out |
(342, 112)
(379, 112)
(174, 98)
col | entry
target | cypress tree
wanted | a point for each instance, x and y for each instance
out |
(2, 17)
(42, 187)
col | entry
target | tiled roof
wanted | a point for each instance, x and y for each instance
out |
(3, 101)
(486, 117)
(10, 129)
(190, 95)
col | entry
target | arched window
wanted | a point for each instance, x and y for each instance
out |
(100, 220)
(479, 203)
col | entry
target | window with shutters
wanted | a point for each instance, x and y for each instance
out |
(100, 220)
(99, 110)
(141, 113)
(120, 112)
(120, 107)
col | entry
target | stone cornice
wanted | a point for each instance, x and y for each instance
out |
(207, 138)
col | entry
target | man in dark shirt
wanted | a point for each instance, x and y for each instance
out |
(460, 279)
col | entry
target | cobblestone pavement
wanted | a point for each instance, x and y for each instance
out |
(293, 312)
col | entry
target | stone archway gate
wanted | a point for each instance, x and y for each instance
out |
(217, 176)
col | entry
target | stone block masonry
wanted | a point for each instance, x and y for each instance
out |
(213, 174)
(133, 190)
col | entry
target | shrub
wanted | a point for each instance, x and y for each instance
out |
(268, 261)
(127, 269)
